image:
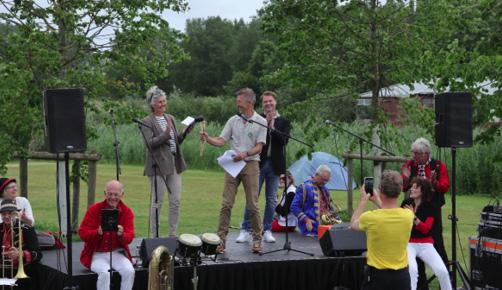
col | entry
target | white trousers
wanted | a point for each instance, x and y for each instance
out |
(174, 183)
(101, 264)
(427, 253)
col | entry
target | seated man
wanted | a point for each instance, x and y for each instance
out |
(388, 232)
(10, 250)
(96, 253)
(311, 200)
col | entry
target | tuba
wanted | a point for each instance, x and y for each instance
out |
(161, 270)
(331, 217)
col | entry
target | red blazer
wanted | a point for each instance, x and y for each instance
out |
(442, 181)
(88, 231)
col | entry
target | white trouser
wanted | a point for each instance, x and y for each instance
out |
(427, 253)
(101, 264)
(174, 183)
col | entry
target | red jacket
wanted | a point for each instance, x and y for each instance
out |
(88, 231)
(442, 181)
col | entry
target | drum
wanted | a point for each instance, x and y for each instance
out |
(209, 243)
(189, 245)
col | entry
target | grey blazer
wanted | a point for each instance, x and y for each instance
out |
(160, 141)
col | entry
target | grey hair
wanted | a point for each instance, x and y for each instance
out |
(422, 145)
(322, 168)
(248, 93)
(152, 95)
(121, 186)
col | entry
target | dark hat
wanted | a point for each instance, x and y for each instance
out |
(4, 182)
(8, 205)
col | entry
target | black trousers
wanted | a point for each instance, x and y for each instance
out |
(375, 279)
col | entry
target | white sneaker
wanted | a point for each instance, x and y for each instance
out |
(267, 237)
(243, 236)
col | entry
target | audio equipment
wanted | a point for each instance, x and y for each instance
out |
(148, 245)
(453, 124)
(485, 262)
(64, 120)
(340, 240)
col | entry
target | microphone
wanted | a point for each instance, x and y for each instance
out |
(244, 117)
(196, 120)
(328, 122)
(141, 123)
(110, 111)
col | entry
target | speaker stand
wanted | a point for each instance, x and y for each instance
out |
(454, 263)
(68, 224)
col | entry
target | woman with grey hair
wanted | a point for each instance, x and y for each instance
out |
(164, 139)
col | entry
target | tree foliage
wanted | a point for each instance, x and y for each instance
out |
(109, 48)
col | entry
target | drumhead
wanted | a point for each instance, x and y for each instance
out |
(190, 240)
(210, 238)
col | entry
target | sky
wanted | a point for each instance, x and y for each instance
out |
(226, 9)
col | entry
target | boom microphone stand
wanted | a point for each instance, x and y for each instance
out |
(361, 140)
(287, 244)
(155, 167)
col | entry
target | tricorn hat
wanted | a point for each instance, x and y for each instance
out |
(4, 182)
(8, 205)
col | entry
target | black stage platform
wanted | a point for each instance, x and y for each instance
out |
(238, 268)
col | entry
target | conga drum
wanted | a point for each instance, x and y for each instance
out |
(189, 245)
(209, 243)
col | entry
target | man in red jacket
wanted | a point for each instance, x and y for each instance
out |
(96, 253)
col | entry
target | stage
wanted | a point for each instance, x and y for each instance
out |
(237, 268)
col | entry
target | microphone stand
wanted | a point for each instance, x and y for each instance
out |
(116, 144)
(361, 140)
(287, 244)
(155, 167)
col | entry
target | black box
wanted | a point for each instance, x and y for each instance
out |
(490, 231)
(485, 255)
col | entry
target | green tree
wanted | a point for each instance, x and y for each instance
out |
(78, 44)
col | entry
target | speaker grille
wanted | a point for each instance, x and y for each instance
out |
(64, 120)
(453, 125)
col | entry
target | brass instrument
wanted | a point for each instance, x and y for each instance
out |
(331, 217)
(161, 270)
(20, 272)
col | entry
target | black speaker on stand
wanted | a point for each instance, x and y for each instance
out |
(454, 129)
(64, 133)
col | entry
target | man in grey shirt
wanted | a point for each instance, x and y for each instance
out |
(247, 140)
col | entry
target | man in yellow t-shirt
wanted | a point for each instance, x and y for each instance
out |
(388, 231)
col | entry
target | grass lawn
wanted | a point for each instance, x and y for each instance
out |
(201, 202)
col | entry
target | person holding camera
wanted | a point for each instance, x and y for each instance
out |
(311, 200)
(388, 232)
(96, 253)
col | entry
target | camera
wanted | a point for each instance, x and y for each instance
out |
(368, 185)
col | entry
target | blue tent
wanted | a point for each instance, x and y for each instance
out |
(303, 168)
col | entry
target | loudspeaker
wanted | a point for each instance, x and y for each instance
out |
(340, 240)
(64, 120)
(148, 245)
(453, 119)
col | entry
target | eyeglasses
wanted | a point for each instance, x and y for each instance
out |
(324, 180)
(110, 194)
(417, 153)
(11, 187)
(283, 178)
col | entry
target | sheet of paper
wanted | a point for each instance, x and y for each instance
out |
(227, 162)
(8, 282)
(188, 121)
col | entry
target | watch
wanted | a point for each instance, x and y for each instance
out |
(249, 153)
